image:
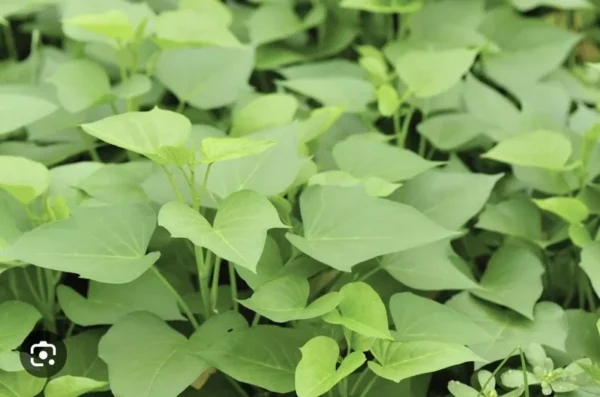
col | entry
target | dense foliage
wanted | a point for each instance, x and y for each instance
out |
(351, 198)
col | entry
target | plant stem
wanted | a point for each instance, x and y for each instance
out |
(9, 40)
(369, 386)
(360, 379)
(524, 368)
(215, 283)
(369, 273)
(180, 107)
(179, 298)
(203, 274)
(237, 386)
(90, 145)
(204, 187)
(256, 319)
(498, 368)
(233, 284)
(173, 184)
(405, 126)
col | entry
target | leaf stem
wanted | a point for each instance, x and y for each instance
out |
(90, 147)
(360, 379)
(370, 273)
(203, 274)
(405, 125)
(237, 386)
(204, 187)
(9, 40)
(180, 107)
(256, 319)
(173, 184)
(524, 368)
(498, 368)
(179, 298)
(214, 292)
(233, 284)
(369, 386)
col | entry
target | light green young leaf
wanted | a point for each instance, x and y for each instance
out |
(72, 386)
(401, 360)
(448, 198)
(164, 364)
(513, 278)
(385, 7)
(265, 356)
(354, 155)
(510, 329)
(17, 320)
(286, 299)
(238, 232)
(589, 263)
(265, 112)
(134, 86)
(273, 21)
(188, 28)
(317, 371)
(20, 110)
(105, 244)
(450, 132)
(114, 24)
(80, 85)
(158, 134)
(374, 186)
(432, 267)
(361, 310)
(420, 69)
(20, 384)
(421, 319)
(579, 234)
(542, 149)
(570, 209)
(516, 217)
(345, 226)
(388, 100)
(206, 78)
(107, 303)
(319, 122)
(214, 150)
(351, 93)
(528, 5)
(22, 178)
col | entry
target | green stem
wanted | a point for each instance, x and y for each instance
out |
(9, 40)
(498, 368)
(524, 368)
(180, 107)
(173, 184)
(203, 274)
(237, 386)
(256, 319)
(179, 298)
(214, 292)
(358, 382)
(405, 126)
(90, 147)
(233, 284)
(70, 330)
(369, 386)
(422, 146)
(29, 282)
(369, 273)
(204, 187)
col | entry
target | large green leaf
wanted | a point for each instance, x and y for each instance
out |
(22, 178)
(265, 112)
(510, 329)
(513, 278)
(238, 232)
(107, 303)
(113, 24)
(401, 360)
(452, 131)
(344, 226)
(265, 356)
(164, 364)
(361, 310)
(82, 358)
(448, 198)
(105, 244)
(569, 208)
(517, 217)
(20, 110)
(318, 370)
(72, 386)
(20, 384)
(17, 320)
(81, 84)
(355, 154)
(540, 148)
(420, 69)
(286, 299)
(589, 263)
(158, 134)
(206, 78)
(214, 150)
(421, 319)
(432, 267)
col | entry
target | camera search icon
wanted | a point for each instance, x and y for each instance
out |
(43, 354)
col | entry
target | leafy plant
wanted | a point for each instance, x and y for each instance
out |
(349, 198)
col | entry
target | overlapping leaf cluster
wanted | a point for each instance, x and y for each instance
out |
(355, 198)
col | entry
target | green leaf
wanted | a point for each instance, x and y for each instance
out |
(351, 93)
(223, 149)
(80, 85)
(206, 78)
(448, 198)
(20, 384)
(528, 5)
(420, 71)
(134, 86)
(542, 149)
(105, 244)
(510, 329)
(22, 178)
(516, 217)
(238, 232)
(374, 186)
(345, 226)
(158, 134)
(82, 359)
(319, 122)
(393, 164)
(568, 208)
(20, 110)
(17, 320)
(273, 21)
(114, 24)
(318, 372)
(421, 319)
(452, 131)
(513, 278)
(188, 28)
(107, 303)
(388, 100)
(590, 255)
(164, 365)
(401, 360)
(265, 356)
(286, 299)
(265, 112)
(72, 386)
(432, 267)
(361, 310)
(386, 6)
